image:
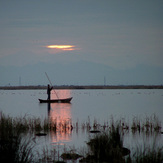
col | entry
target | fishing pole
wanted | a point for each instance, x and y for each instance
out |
(51, 84)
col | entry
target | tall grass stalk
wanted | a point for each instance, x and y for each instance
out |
(13, 147)
(47, 155)
(148, 154)
(107, 147)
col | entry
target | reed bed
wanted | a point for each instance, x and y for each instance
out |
(148, 125)
(13, 146)
(20, 148)
(27, 124)
(107, 147)
(148, 154)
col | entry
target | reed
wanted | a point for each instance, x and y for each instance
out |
(26, 124)
(106, 147)
(47, 155)
(13, 147)
(149, 125)
(148, 154)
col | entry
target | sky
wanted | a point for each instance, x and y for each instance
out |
(81, 42)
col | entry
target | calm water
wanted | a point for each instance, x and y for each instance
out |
(100, 104)
(86, 105)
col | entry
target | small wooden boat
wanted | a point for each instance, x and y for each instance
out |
(65, 100)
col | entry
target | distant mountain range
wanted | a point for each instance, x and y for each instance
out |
(79, 73)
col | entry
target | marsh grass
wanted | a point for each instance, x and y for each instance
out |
(13, 147)
(47, 155)
(27, 124)
(147, 126)
(148, 154)
(106, 146)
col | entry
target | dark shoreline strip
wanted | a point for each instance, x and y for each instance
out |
(85, 87)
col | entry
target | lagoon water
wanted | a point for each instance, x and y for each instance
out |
(87, 105)
(99, 104)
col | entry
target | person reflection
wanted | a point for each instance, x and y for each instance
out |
(48, 108)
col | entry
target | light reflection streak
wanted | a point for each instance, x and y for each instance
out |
(60, 113)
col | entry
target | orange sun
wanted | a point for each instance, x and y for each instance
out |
(61, 47)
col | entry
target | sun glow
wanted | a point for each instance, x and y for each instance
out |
(61, 47)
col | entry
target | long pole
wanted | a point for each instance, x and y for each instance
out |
(51, 84)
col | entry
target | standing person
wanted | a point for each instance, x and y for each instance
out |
(48, 91)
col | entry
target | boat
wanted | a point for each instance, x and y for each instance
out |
(58, 100)
(65, 100)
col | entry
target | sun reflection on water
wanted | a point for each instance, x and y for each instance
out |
(60, 113)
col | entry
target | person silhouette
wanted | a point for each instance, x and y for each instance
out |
(49, 91)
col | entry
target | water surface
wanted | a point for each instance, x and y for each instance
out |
(86, 106)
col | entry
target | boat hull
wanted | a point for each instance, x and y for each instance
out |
(66, 100)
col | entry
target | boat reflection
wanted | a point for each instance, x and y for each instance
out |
(60, 115)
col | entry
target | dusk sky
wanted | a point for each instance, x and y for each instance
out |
(81, 42)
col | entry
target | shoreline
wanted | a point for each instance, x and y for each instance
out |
(84, 87)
